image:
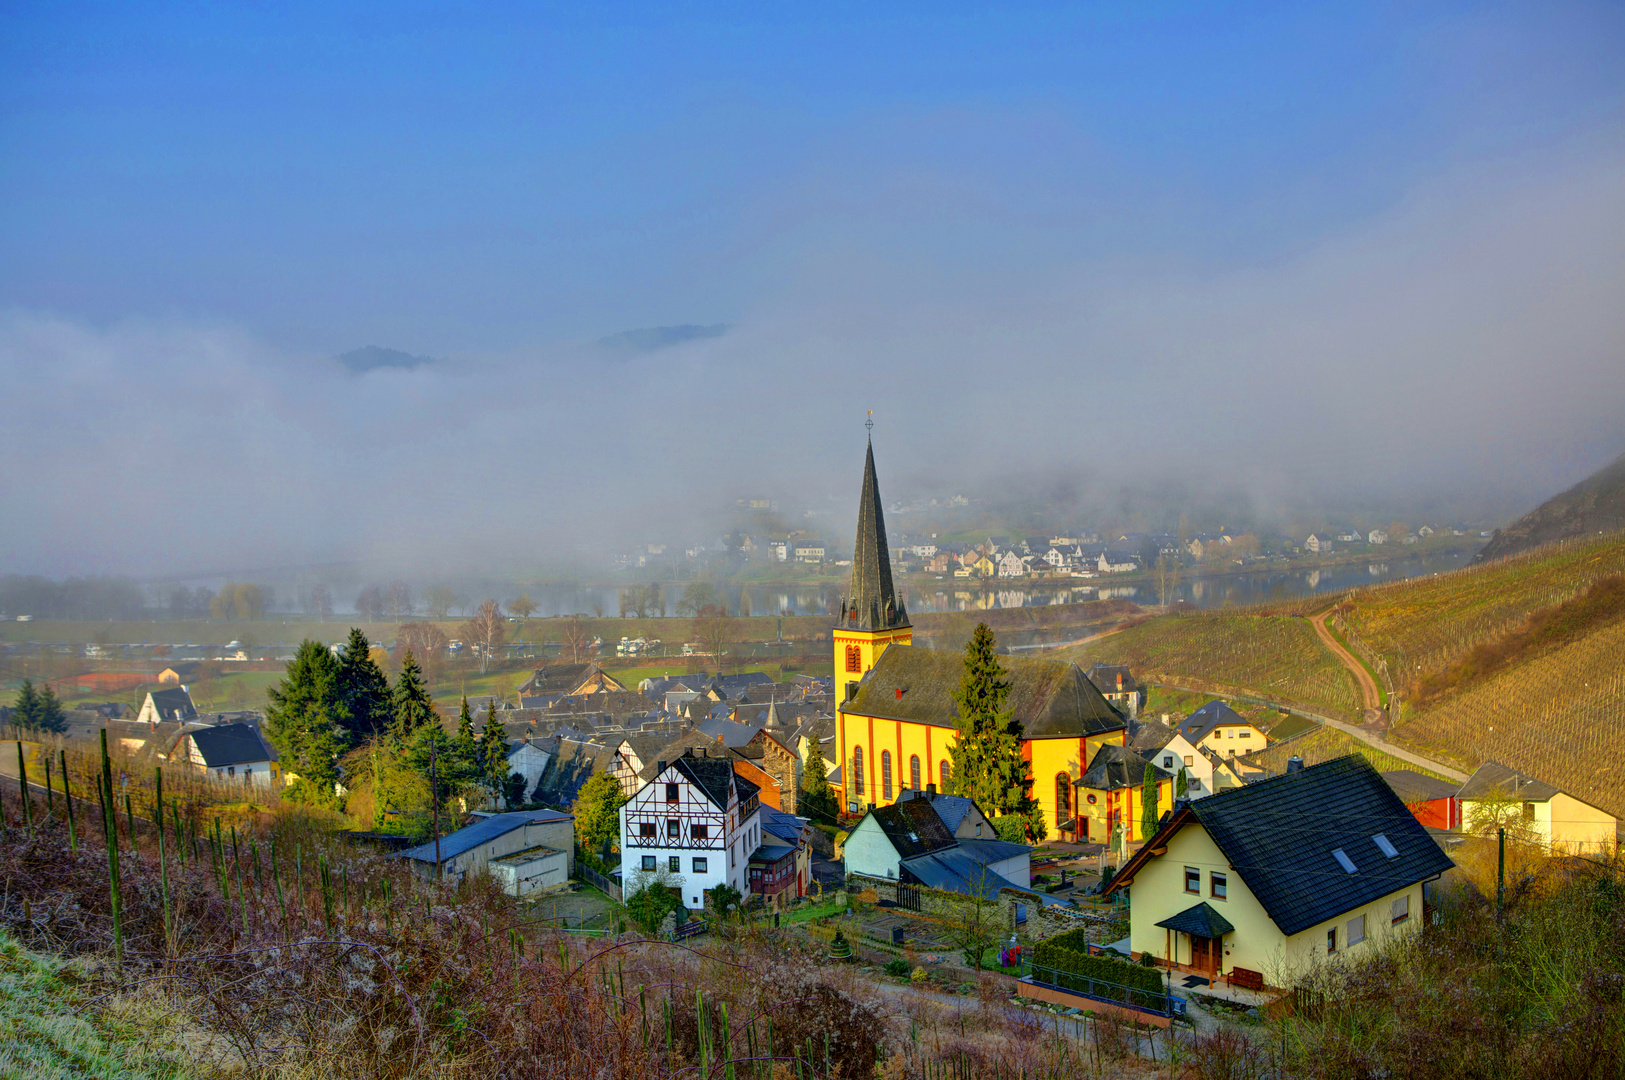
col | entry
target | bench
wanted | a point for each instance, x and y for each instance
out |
(1246, 979)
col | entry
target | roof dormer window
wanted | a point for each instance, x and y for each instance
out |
(1385, 846)
(1344, 861)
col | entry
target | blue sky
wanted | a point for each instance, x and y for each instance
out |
(272, 185)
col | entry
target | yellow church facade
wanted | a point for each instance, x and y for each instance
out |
(895, 719)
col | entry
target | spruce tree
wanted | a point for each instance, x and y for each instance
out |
(49, 715)
(413, 708)
(465, 747)
(305, 721)
(364, 688)
(25, 713)
(817, 797)
(493, 755)
(1149, 812)
(1182, 783)
(987, 763)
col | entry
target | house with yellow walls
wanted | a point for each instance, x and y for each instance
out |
(1557, 819)
(1219, 728)
(1259, 884)
(1111, 792)
(895, 720)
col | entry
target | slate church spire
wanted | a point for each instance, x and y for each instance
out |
(872, 602)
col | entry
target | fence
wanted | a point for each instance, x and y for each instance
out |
(690, 929)
(598, 881)
(1133, 997)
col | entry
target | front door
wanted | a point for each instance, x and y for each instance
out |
(1205, 954)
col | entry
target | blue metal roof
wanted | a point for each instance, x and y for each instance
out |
(481, 832)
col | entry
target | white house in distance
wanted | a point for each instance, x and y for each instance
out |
(167, 706)
(1242, 885)
(1221, 729)
(527, 851)
(1376, 536)
(696, 823)
(1560, 821)
(230, 752)
(1205, 771)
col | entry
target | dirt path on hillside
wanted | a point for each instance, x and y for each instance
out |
(1370, 698)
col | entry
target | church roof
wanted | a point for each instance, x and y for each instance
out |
(1049, 697)
(872, 603)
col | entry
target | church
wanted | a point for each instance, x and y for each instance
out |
(895, 720)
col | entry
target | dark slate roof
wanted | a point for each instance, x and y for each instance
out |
(952, 809)
(1048, 697)
(992, 851)
(559, 678)
(231, 744)
(954, 871)
(1200, 920)
(1492, 774)
(784, 826)
(574, 762)
(482, 832)
(913, 828)
(872, 603)
(1117, 767)
(1196, 726)
(727, 732)
(712, 775)
(175, 704)
(1280, 834)
(1146, 736)
(1105, 677)
(1414, 787)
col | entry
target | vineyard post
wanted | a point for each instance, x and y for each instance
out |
(50, 792)
(22, 788)
(67, 797)
(1500, 871)
(163, 855)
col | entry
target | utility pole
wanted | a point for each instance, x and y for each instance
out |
(434, 804)
(1500, 870)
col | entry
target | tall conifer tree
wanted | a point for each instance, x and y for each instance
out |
(493, 753)
(1149, 811)
(25, 713)
(466, 746)
(987, 762)
(365, 690)
(413, 708)
(49, 715)
(305, 721)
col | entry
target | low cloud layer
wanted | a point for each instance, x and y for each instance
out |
(1463, 348)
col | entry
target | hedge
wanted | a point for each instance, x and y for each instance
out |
(1069, 952)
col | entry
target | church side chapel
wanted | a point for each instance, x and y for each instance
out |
(896, 720)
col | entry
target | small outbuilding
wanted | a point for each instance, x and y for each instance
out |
(528, 851)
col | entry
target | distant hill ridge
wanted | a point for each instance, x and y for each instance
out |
(1594, 505)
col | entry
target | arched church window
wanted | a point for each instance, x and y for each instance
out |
(857, 774)
(854, 658)
(1063, 796)
(944, 771)
(914, 771)
(885, 774)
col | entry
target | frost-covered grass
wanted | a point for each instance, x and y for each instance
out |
(50, 1027)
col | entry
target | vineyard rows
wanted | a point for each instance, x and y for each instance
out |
(1559, 717)
(1424, 624)
(1274, 656)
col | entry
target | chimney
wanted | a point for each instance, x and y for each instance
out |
(660, 767)
(930, 791)
(899, 693)
(1294, 764)
(1183, 802)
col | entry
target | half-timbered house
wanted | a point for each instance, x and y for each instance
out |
(694, 826)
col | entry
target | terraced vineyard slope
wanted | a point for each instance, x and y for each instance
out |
(1559, 716)
(1423, 625)
(1277, 657)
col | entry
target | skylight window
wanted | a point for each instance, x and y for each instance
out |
(1343, 860)
(1385, 846)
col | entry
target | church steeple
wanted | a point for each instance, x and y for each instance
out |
(872, 602)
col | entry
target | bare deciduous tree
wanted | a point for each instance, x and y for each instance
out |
(1165, 574)
(715, 632)
(398, 600)
(576, 639)
(427, 644)
(440, 601)
(486, 629)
